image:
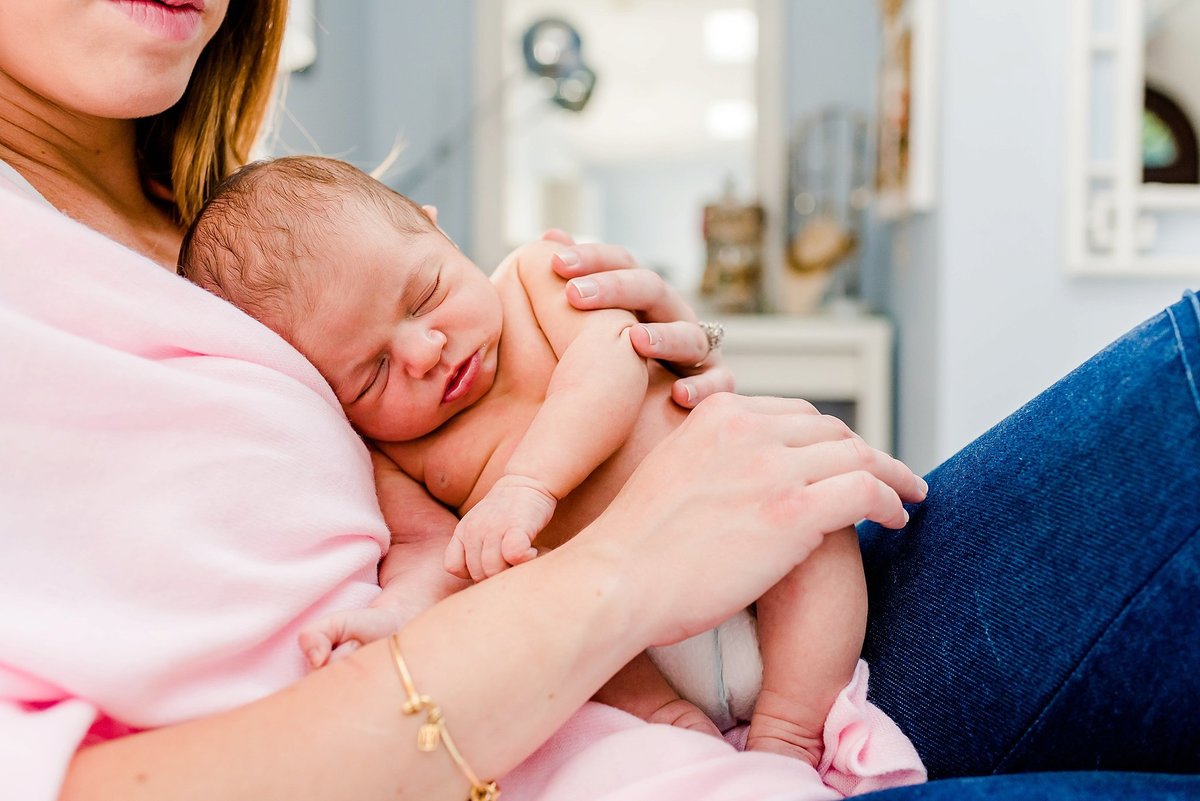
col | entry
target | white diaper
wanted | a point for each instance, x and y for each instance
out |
(719, 670)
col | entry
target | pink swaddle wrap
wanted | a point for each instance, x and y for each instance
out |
(180, 492)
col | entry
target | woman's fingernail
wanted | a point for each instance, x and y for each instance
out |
(924, 485)
(586, 287)
(568, 257)
(651, 334)
(691, 392)
(906, 517)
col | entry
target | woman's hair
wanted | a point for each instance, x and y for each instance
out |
(192, 146)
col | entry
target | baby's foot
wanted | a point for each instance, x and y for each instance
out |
(685, 715)
(782, 725)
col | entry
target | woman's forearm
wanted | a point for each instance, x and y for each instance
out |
(340, 733)
(754, 483)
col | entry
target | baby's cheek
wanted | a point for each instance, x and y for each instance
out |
(360, 419)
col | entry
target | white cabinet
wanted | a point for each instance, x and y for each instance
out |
(829, 360)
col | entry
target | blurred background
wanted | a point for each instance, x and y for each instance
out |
(916, 213)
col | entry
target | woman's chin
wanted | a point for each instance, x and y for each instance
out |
(135, 98)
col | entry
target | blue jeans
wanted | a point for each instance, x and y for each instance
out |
(1041, 611)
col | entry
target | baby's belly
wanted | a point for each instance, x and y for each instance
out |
(659, 416)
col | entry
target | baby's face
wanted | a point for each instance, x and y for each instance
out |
(405, 331)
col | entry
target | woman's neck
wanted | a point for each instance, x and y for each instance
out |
(87, 168)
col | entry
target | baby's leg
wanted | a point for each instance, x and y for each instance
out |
(810, 630)
(640, 689)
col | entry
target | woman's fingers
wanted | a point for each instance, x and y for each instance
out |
(845, 498)
(607, 281)
(687, 392)
(603, 277)
(684, 347)
(738, 405)
(823, 446)
(590, 258)
(681, 341)
(827, 460)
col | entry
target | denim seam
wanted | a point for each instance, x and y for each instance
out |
(1183, 351)
(1087, 655)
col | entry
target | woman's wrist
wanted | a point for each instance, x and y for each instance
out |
(570, 609)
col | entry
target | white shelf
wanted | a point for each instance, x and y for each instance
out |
(819, 358)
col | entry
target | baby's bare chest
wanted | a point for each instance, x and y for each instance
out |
(460, 461)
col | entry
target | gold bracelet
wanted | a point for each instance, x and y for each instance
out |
(433, 730)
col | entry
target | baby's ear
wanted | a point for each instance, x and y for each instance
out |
(432, 212)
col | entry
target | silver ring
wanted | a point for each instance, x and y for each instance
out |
(715, 333)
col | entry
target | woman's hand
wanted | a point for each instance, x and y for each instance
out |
(721, 510)
(604, 277)
(731, 501)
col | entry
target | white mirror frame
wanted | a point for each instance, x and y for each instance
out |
(770, 147)
(1111, 218)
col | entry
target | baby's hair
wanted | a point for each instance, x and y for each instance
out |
(261, 222)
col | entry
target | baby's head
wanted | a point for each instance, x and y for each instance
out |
(360, 280)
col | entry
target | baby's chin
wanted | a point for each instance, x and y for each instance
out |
(394, 431)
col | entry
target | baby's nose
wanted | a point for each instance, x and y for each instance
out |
(427, 352)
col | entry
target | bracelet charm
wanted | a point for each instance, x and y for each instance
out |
(432, 732)
(428, 737)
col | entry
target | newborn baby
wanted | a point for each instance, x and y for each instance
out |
(510, 407)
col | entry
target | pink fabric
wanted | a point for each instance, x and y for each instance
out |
(602, 753)
(864, 749)
(180, 493)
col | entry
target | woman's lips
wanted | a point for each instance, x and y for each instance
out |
(463, 378)
(173, 20)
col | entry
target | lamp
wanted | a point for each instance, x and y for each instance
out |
(554, 50)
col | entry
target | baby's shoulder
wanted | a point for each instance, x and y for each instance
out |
(530, 266)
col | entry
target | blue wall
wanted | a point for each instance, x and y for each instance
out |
(388, 69)
(987, 312)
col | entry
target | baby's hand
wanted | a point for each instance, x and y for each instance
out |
(345, 631)
(498, 532)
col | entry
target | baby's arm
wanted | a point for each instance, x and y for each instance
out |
(410, 574)
(591, 405)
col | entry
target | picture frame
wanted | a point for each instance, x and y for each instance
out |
(1116, 222)
(906, 141)
(1169, 150)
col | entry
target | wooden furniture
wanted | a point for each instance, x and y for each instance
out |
(842, 364)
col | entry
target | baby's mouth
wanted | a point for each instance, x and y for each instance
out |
(463, 378)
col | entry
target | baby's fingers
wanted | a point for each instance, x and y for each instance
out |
(316, 643)
(516, 547)
(491, 558)
(344, 649)
(455, 560)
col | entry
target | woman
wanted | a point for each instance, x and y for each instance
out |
(195, 489)
(209, 452)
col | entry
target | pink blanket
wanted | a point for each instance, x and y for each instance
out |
(180, 493)
(603, 753)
